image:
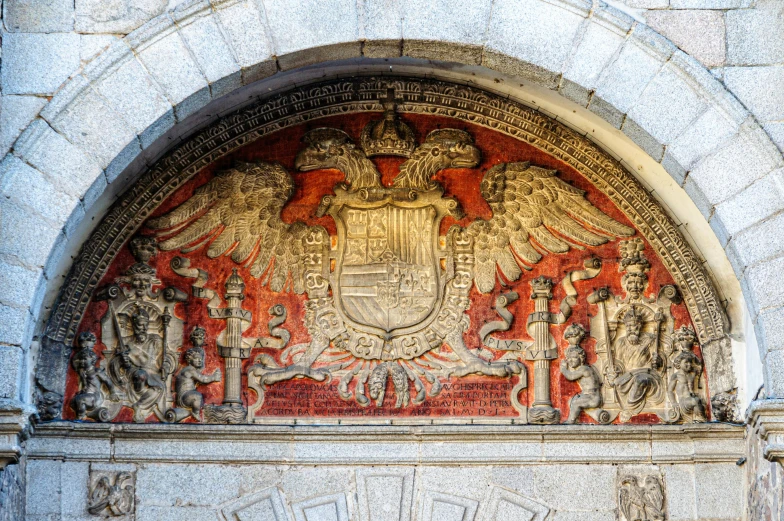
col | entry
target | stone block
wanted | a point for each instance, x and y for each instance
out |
(647, 4)
(673, 167)
(134, 95)
(679, 479)
(774, 374)
(445, 52)
(557, 25)
(708, 4)
(65, 164)
(606, 111)
(100, 16)
(44, 498)
(769, 329)
(301, 483)
(759, 201)
(698, 197)
(591, 487)
(624, 80)
(19, 282)
(11, 370)
(763, 294)
(212, 53)
(380, 21)
(702, 137)
(600, 42)
(38, 16)
(317, 55)
(38, 63)
(16, 112)
(465, 25)
(643, 139)
(168, 60)
(756, 36)
(775, 130)
(24, 234)
(91, 45)
(13, 325)
(759, 88)
(698, 33)
(719, 230)
(761, 241)
(519, 479)
(74, 493)
(91, 124)
(594, 515)
(521, 70)
(667, 105)
(719, 490)
(737, 164)
(176, 513)
(323, 23)
(247, 34)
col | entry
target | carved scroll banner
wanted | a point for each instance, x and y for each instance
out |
(387, 265)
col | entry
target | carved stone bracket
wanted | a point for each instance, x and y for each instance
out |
(767, 419)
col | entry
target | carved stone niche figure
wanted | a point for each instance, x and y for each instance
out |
(682, 389)
(141, 334)
(89, 401)
(641, 498)
(111, 494)
(189, 400)
(574, 367)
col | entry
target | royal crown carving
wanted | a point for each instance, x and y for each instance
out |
(427, 271)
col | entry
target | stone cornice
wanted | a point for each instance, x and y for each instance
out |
(766, 417)
(390, 444)
(13, 421)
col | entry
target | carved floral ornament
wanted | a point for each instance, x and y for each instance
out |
(458, 256)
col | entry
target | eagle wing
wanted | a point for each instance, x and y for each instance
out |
(238, 213)
(534, 213)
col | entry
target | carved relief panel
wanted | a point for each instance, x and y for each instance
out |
(388, 264)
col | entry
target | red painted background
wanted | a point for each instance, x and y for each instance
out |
(466, 397)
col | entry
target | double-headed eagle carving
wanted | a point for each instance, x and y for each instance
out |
(389, 302)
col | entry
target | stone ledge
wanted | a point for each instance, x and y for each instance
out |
(389, 444)
(13, 423)
(767, 418)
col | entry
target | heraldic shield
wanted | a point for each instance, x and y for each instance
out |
(388, 279)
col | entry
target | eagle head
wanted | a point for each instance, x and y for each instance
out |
(452, 148)
(323, 149)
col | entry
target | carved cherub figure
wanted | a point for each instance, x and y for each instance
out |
(681, 389)
(149, 392)
(90, 396)
(190, 376)
(574, 368)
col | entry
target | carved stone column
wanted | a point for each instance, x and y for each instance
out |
(541, 352)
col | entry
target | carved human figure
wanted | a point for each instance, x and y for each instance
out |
(149, 392)
(190, 376)
(143, 348)
(90, 396)
(574, 368)
(638, 352)
(682, 386)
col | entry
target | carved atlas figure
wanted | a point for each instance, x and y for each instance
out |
(389, 302)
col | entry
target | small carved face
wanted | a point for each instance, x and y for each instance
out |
(633, 329)
(140, 324)
(573, 360)
(141, 285)
(197, 360)
(143, 248)
(687, 366)
(634, 284)
(198, 336)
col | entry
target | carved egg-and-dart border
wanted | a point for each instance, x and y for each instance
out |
(421, 96)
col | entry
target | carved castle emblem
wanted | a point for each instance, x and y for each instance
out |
(388, 300)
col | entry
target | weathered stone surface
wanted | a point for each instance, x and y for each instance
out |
(24, 234)
(643, 139)
(178, 513)
(667, 106)
(774, 373)
(556, 25)
(761, 241)
(11, 358)
(133, 94)
(709, 4)
(38, 16)
(606, 111)
(759, 88)
(464, 25)
(647, 4)
(592, 486)
(764, 294)
(38, 63)
(760, 200)
(91, 45)
(99, 16)
(673, 167)
(600, 42)
(16, 112)
(27, 186)
(323, 23)
(74, 492)
(95, 127)
(64, 163)
(698, 197)
(44, 498)
(769, 329)
(13, 323)
(168, 60)
(247, 34)
(381, 24)
(707, 133)
(756, 36)
(624, 80)
(775, 130)
(699, 33)
(213, 55)
(736, 165)
(12, 493)
(714, 498)
(680, 478)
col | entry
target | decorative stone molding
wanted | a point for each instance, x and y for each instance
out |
(14, 417)
(766, 417)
